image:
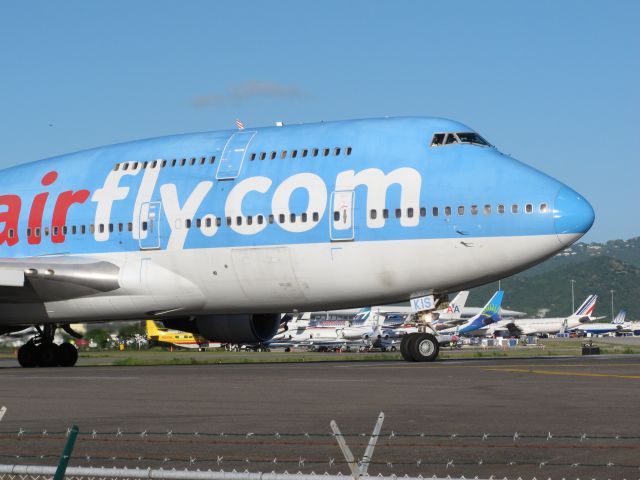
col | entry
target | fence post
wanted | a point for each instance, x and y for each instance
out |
(3, 410)
(66, 454)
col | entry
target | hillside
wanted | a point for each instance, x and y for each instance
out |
(549, 286)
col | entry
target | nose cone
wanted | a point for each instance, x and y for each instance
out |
(572, 215)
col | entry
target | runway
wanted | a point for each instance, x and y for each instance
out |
(447, 402)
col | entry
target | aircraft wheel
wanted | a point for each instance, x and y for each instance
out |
(424, 347)
(48, 355)
(393, 348)
(28, 355)
(404, 346)
(67, 355)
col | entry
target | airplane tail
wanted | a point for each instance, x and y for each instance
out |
(460, 300)
(490, 314)
(587, 308)
(363, 317)
(152, 329)
(619, 318)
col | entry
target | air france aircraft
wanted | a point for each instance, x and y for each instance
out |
(217, 233)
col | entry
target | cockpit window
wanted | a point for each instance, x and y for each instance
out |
(471, 137)
(451, 139)
(440, 139)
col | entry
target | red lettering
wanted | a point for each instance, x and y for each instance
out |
(37, 209)
(64, 201)
(10, 218)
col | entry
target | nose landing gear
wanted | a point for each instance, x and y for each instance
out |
(40, 351)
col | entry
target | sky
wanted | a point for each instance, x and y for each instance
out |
(554, 84)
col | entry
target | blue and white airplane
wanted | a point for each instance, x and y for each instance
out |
(617, 324)
(217, 233)
(475, 326)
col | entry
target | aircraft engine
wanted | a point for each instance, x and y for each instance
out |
(242, 328)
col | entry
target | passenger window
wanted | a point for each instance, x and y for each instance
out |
(154, 164)
(164, 164)
(543, 208)
(528, 208)
(249, 220)
(514, 208)
(271, 219)
(336, 152)
(474, 209)
(304, 152)
(314, 152)
(460, 210)
(135, 166)
(447, 211)
(434, 211)
(316, 217)
(64, 230)
(273, 155)
(252, 156)
(373, 214)
(303, 218)
(117, 167)
(292, 218)
(283, 154)
(500, 209)
(281, 218)
(437, 140)
(111, 227)
(260, 219)
(451, 139)
(192, 162)
(73, 230)
(101, 228)
(212, 159)
(55, 231)
(348, 150)
(487, 209)
(187, 223)
(144, 165)
(83, 229)
(325, 152)
(218, 221)
(294, 153)
(263, 155)
(203, 160)
(37, 232)
(130, 227)
(410, 212)
(228, 221)
(183, 162)
(238, 220)
(173, 162)
(385, 213)
(125, 166)
(144, 226)
(46, 231)
(207, 222)
(423, 212)
(398, 213)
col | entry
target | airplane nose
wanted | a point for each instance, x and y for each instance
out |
(572, 215)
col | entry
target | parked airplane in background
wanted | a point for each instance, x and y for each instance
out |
(217, 233)
(477, 325)
(616, 325)
(546, 326)
(174, 337)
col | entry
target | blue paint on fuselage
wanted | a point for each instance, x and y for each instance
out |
(452, 176)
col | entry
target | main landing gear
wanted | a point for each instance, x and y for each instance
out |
(419, 347)
(40, 351)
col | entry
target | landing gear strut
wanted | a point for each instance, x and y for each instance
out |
(40, 351)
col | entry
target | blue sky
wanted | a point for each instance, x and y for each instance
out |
(555, 84)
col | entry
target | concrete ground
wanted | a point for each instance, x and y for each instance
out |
(451, 417)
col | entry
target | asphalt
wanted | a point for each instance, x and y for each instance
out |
(482, 417)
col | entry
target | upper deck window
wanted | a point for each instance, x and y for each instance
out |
(472, 137)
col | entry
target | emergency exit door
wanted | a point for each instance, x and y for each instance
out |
(342, 216)
(233, 155)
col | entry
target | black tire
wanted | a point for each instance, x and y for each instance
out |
(67, 355)
(404, 346)
(28, 355)
(48, 355)
(424, 347)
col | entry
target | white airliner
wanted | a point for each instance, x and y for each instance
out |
(217, 233)
(616, 325)
(546, 326)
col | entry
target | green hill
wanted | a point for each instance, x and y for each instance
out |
(548, 286)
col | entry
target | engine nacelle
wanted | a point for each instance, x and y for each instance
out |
(242, 328)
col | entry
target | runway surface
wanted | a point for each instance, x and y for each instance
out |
(435, 413)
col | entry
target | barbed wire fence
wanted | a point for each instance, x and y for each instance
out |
(419, 454)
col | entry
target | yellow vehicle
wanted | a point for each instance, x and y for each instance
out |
(177, 338)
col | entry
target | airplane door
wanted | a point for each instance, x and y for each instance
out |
(149, 226)
(342, 216)
(233, 155)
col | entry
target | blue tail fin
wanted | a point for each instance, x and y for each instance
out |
(619, 318)
(490, 314)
